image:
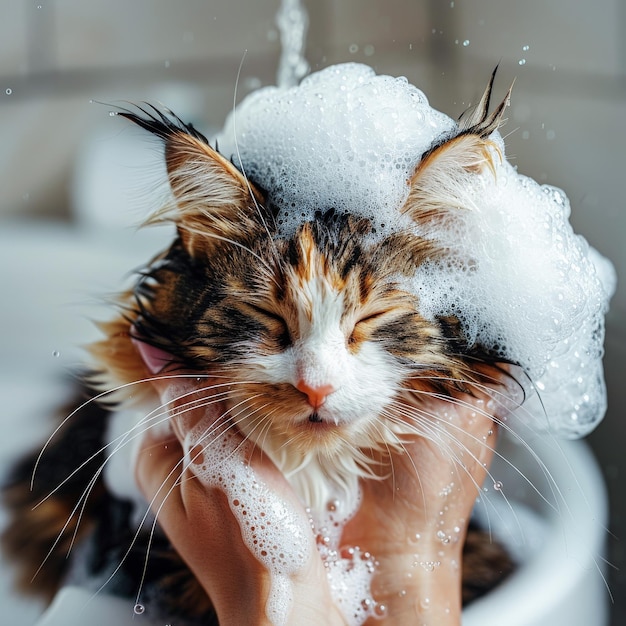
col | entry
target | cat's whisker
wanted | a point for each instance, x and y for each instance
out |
(154, 418)
(557, 497)
(101, 396)
(231, 421)
(432, 428)
(183, 466)
(118, 442)
(140, 525)
(61, 533)
(83, 498)
(178, 471)
(377, 425)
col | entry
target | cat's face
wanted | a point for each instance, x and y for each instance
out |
(311, 335)
(308, 339)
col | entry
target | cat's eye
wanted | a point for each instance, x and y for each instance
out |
(360, 328)
(284, 336)
(370, 318)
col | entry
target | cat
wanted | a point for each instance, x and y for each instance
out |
(313, 338)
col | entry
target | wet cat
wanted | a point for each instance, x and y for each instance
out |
(320, 354)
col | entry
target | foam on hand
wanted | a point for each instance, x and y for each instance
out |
(522, 283)
(273, 532)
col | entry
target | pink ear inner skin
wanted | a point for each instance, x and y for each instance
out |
(154, 358)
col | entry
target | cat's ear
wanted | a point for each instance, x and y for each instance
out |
(213, 200)
(436, 186)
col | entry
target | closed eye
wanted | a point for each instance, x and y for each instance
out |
(360, 330)
(278, 320)
(265, 313)
(370, 318)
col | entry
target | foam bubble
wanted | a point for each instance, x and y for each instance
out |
(350, 571)
(520, 280)
(273, 532)
(344, 138)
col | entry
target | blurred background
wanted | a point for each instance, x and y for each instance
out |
(72, 179)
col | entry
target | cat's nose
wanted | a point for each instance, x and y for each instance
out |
(316, 395)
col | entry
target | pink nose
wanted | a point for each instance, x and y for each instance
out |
(316, 395)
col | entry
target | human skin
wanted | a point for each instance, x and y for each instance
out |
(413, 520)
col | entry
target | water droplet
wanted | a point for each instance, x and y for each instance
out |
(466, 43)
(56, 354)
(497, 485)
(425, 603)
(430, 566)
(112, 113)
(443, 537)
(368, 50)
(354, 48)
(380, 610)
(8, 91)
(138, 609)
(525, 48)
(522, 62)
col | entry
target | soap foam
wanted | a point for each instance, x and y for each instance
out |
(521, 282)
(273, 532)
(344, 138)
(349, 570)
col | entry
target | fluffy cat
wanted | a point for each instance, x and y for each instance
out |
(320, 355)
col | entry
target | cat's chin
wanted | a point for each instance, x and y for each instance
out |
(323, 438)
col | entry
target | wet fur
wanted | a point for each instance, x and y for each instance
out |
(232, 299)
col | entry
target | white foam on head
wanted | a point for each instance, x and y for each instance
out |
(532, 291)
(344, 138)
(522, 283)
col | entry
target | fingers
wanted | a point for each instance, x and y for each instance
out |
(157, 470)
(166, 462)
(221, 501)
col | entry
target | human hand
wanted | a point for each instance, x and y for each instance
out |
(220, 533)
(413, 521)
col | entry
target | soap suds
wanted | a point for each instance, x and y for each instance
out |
(273, 532)
(276, 534)
(522, 283)
(350, 570)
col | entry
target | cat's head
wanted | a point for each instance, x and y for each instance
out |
(310, 342)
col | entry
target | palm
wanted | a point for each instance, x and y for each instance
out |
(415, 518)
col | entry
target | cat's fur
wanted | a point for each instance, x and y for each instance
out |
(319, 353)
